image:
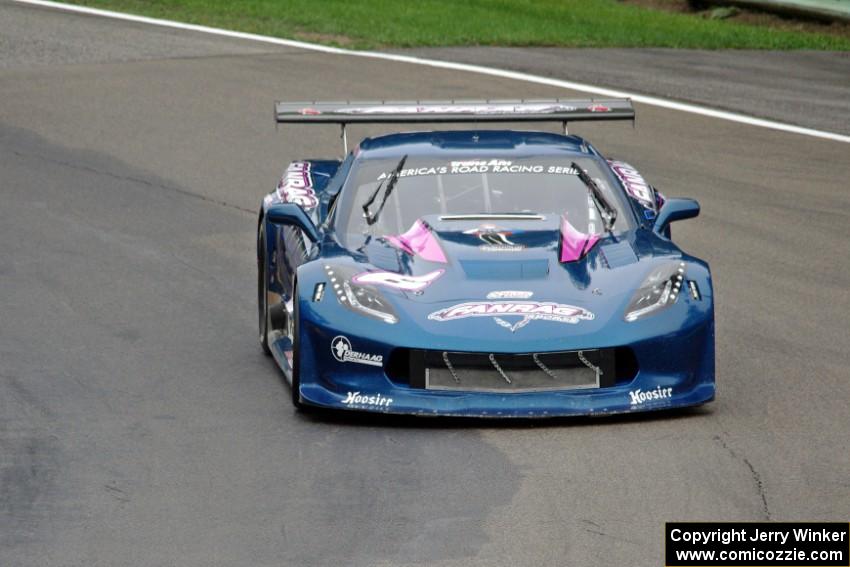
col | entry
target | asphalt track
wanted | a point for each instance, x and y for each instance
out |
(141, 425)
(805, 88)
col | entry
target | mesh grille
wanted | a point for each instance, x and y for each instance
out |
(486, 372)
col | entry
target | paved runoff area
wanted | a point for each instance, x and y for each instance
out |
(141, 425)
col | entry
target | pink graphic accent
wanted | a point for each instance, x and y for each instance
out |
(574, 243)
(398, 281)
(598, 108)
(419, 241)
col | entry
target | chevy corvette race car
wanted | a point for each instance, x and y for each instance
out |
(495, 273)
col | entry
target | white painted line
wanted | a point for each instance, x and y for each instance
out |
(493, 72)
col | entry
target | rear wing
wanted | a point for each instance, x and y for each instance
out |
(457, 111)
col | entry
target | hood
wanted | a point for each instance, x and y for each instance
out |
(484, 237)
(470, 257)
(446, 276)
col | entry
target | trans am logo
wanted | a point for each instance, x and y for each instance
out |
(494, 239)
(503, 312)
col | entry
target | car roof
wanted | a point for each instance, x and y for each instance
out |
(453, 142)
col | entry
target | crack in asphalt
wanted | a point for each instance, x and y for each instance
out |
(609, 536)
(117, 493)
(132, 179)
(753, 473)
(23, 394)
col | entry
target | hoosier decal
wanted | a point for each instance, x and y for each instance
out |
(296, 186)
(356, 399)
(638, 397)
(526, 311)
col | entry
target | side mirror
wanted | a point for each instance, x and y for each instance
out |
(292, 215)
(675, 210)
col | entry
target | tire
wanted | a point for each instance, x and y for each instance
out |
(296, 366)
(262, 290)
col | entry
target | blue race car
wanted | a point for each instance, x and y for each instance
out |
(494, 273)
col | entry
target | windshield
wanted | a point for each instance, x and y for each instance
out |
(545, 185)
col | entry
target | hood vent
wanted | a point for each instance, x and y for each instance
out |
(618, 254)
(505, 270)
(383, 256)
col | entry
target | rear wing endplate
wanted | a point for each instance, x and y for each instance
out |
(457, 111)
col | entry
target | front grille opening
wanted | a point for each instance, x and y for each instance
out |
(397, 367)
(407, 366)
(486, 372)
(625, 366)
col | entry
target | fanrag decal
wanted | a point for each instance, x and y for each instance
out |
(634, 183)
(526, 311)
(296, 186)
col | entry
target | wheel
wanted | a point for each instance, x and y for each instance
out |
(262, 290)
(296, 366)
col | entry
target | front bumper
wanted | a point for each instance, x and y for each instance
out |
(520, 405)
(673, 369)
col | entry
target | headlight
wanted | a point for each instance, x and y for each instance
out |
(363, 299)
(658, 291)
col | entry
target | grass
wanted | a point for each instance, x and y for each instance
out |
(373, 24)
